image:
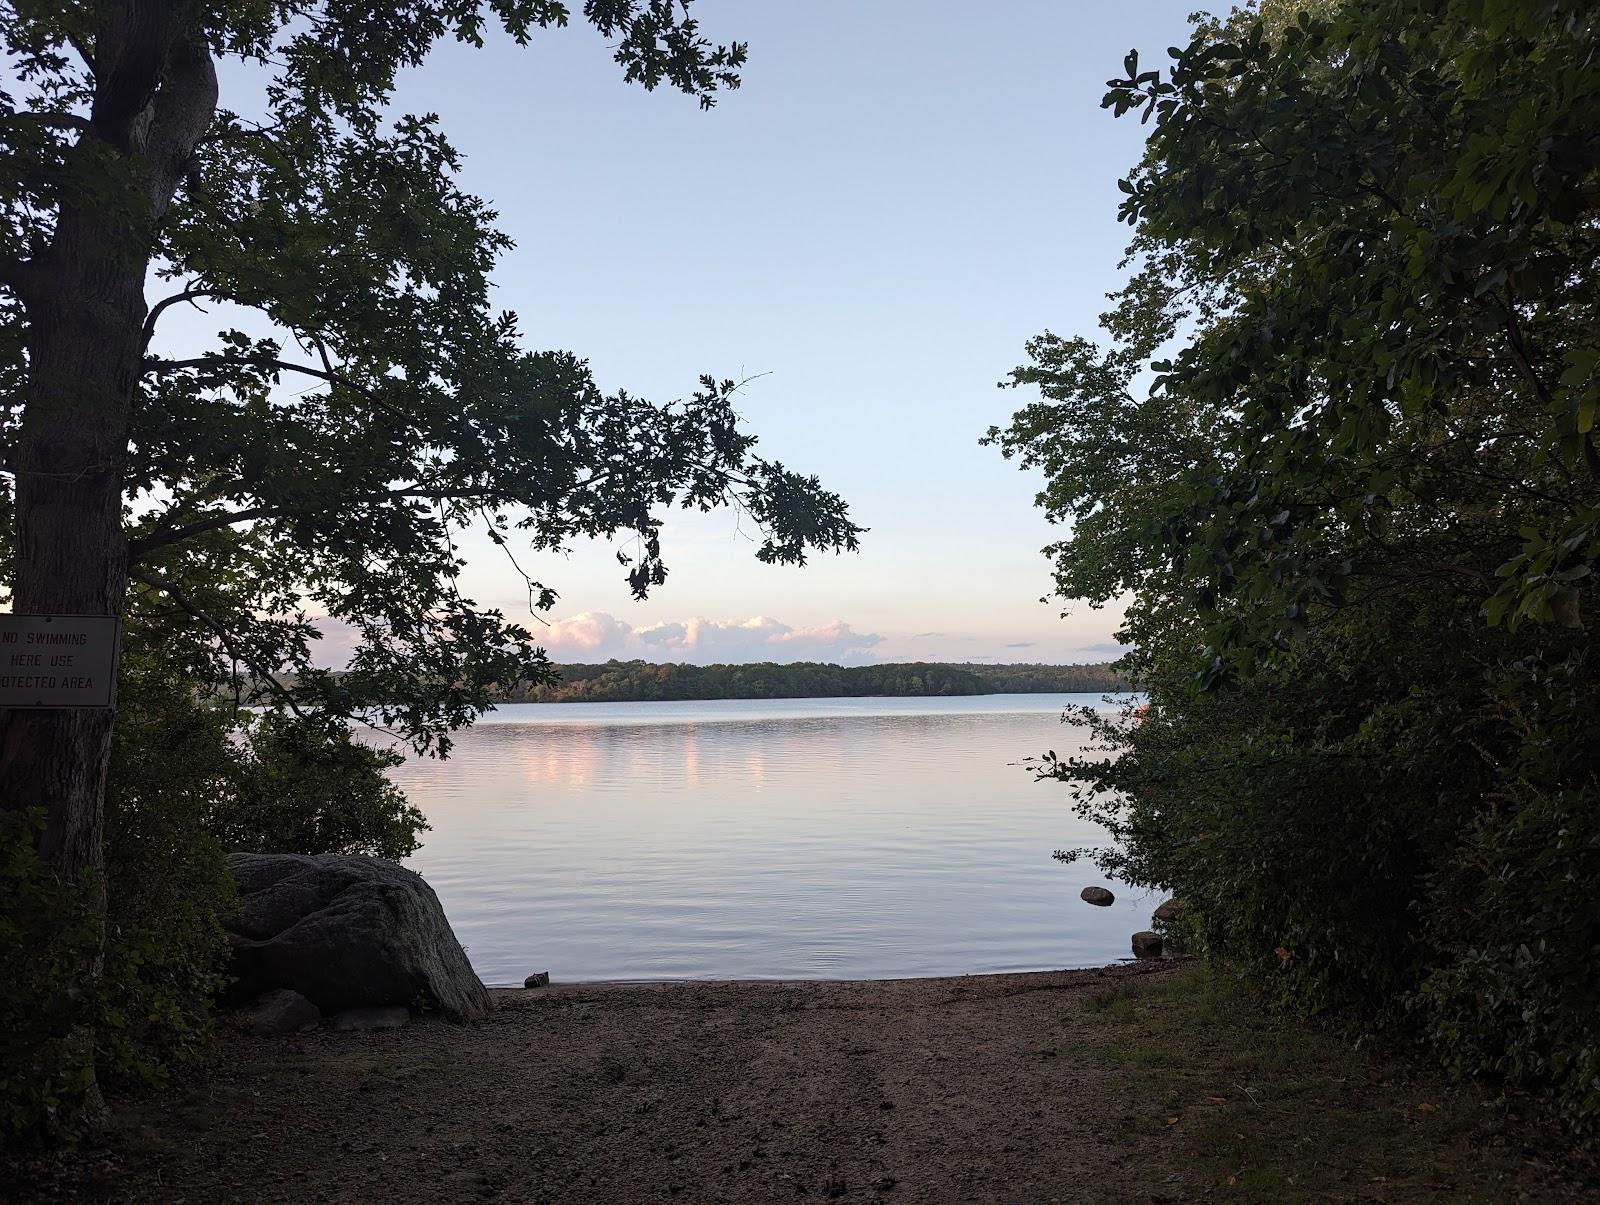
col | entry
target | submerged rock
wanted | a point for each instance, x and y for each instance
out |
(279, 1011)
(1098, 896)
(1147, 945)
(348, 932)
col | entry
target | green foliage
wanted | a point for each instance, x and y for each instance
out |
(167, 883)
(251, 780)
(617, 681)
(49, 931)
(326, 462)
(302, 788)
(1339, 453)
(320, 466)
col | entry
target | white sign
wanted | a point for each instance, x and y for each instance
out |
(58, 660)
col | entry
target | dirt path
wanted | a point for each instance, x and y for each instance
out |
(911, 1090)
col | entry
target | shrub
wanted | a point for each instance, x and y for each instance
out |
(191, 778)
(168, 886)
(49, 934)
(1400, 828)
(298, 786)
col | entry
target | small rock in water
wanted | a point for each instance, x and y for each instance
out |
(537, 979)
(1171, 910)
(1147, 945)
(391, 1017)
(1098, 896)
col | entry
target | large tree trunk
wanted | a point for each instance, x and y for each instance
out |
(155, 94)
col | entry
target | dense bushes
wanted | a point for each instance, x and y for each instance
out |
(191, 779)
(1357, 508)
(1361, 835)
(304, 787)
(49, 932)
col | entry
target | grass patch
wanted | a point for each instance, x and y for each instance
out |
(1229, 1100)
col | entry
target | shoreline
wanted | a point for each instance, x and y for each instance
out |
(790, 981)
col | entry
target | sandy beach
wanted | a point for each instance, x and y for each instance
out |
(905, 1090)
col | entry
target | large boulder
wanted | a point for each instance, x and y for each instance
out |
(1171, 910)
(1147, 945)
(347, 932)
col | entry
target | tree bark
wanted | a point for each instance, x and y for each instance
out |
(155, 93)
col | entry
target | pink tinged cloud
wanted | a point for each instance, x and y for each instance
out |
(597, 635)
(586, 632)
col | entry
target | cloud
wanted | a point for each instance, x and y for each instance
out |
(598, 636)
(1109, 647)
(1022, 644)
(761, 638)
(588, 632)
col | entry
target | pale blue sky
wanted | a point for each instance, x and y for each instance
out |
(902, 192)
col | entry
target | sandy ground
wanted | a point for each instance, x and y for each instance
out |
(905, 1090)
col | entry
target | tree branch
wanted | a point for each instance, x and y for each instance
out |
(55, 121)
(160, 539)
(332, 377)
(83, 52)
(167, 303)
(240, 657)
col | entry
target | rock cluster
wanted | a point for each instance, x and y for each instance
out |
(1146, 943)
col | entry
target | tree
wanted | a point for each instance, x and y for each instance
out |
(220, 497)
(1340, 450)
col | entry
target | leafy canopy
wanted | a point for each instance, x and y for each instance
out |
(327, 466)
(1338, 451)
(1370, 242)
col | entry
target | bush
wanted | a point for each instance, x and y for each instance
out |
(1398, 828)
(298, 786)
(1513, 914)
(1338, 461)
(49, 934)
(190, 780)
(168, 887)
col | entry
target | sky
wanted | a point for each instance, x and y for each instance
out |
(901, 193)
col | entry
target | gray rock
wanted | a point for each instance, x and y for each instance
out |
(1171, 910)
(1147, 945)
(1098, 896)
(392, 1017)
(537, 979)
(347, 932)
(280, 1011)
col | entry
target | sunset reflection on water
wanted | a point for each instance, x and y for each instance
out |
(775, 839)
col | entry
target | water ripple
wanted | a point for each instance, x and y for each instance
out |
(841, 838)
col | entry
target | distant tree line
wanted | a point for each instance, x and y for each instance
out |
(632, 681)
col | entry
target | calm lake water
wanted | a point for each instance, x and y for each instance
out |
(796, 838)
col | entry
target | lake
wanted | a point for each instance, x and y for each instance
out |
(782, 839)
